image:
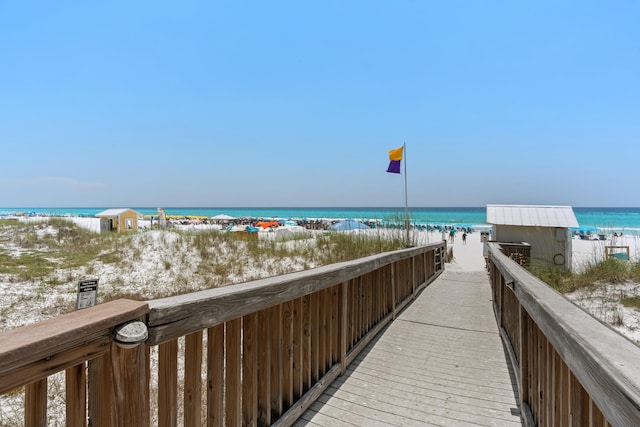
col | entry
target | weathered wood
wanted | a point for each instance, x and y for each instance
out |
(76, 395)
(315, 337)
(298, 332)
(35, 400)
(344, 329)
(523, 361)
(27, 373)
(604, 362)
(277, 361)
(101, 402)
(434, 365)
(413, 277)
(117, 398)
(360, 345)
(168, 384)
(558, 391)
(249, 370)
(287, 354)
(328, 330)
(264, 367)
(128, 367)
(392, 284)
(215, 376)
(37, 342)
(579, 404)
(335, 325)
(233, 383)
(306, 343)
(311, 396)
(193, 380)
(180, 315)
(322, 344)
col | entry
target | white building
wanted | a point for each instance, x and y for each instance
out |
(545, 228)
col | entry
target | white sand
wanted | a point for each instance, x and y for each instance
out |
(160, 268)
(148, 274)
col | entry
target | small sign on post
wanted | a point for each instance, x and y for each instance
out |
(87, 293)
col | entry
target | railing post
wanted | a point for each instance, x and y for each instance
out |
(424, 262)
(343, 326)
(36, 404)
(413, 276)
(128, 364)
(129, 381)
(101, 399)
(393, 292)
(523, 326)
(193, 380)
(76, 392)
(215, 376)
(167, 384)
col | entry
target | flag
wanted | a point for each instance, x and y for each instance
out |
(395, 157)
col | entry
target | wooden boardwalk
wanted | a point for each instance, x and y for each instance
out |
(440, 363)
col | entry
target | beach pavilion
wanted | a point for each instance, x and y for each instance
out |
(119, 220)
(222, 218)
(544, 229)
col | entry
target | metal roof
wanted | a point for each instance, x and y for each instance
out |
(115, 212)
(532, 215)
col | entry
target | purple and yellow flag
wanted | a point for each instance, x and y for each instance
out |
(395, 157)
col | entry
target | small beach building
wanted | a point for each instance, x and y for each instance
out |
(545, 228)
(118, 220)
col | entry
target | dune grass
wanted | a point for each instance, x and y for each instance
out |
(593, 278)
(38, 249)
(42, 252)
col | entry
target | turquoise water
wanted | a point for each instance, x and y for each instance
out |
(611, 219)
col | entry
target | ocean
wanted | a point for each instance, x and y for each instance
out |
(609, 219)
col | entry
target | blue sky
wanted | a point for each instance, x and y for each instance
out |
(295, 103)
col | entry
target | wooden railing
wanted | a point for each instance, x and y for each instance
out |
(257, 353)
(571, 369)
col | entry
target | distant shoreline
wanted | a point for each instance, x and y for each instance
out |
(608, 219)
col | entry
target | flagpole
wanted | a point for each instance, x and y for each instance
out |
(406, 204)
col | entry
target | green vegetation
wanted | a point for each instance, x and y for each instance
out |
(47, 246)
(595, 276)
(56, 252)
(612, 270)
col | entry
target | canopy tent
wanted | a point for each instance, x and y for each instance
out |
(348, 224)
(267, 224)
(222, 217)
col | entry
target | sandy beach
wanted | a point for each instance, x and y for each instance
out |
(156, 247)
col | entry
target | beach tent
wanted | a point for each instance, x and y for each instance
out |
(348, 224)
(222, 217)
(267, 224)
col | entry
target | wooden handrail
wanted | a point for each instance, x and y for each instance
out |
(598, 359)
(36, 351)
(176, 316)
(272, 345)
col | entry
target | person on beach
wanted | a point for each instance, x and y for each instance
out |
(452, 235)
(464, 238)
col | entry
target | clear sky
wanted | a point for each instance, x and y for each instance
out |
(228, 103)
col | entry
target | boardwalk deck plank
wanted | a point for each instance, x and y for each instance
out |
(440, 363)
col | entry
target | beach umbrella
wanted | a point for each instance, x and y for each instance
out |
(348, 224)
